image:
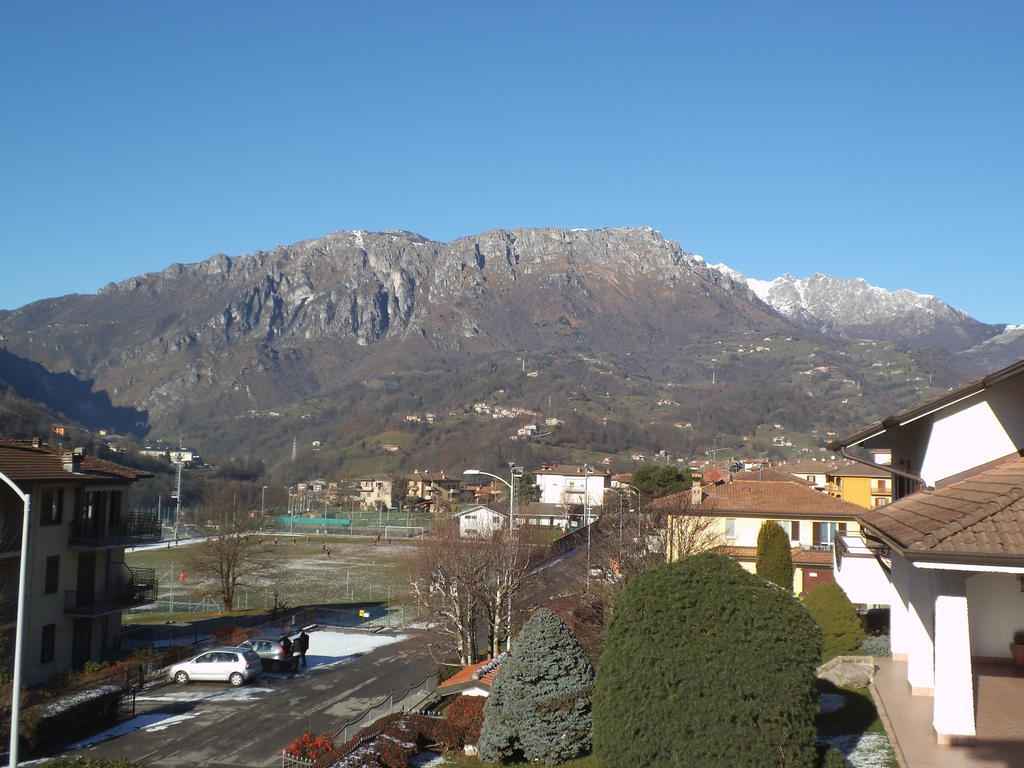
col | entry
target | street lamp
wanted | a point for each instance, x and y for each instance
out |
(19, 631)
(263, 503)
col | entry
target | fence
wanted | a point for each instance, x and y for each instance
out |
(408, 700)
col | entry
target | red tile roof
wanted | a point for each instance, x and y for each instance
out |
(770, 473)
(21, 461)
(801, 557)
(982, 515)
(788, 500)
(466, 676)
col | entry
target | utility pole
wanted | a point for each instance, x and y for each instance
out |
(177, 499)
(586, 515)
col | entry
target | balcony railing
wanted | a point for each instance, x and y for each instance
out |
(113, 597)
(128, 530)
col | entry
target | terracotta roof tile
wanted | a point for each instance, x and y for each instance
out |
(982, 515)
(21, 461)
(465, 676)
(782, 499)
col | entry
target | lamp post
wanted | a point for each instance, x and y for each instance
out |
(263, 503)
(586, 514)
(19, 631)
(514, 472)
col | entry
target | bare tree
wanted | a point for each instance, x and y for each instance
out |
(230, 555)
(505, 560)
(470, 583)
(443, 576)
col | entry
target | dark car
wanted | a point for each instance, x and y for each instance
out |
(271, 653)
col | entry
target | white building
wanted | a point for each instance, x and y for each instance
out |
(948, 553)
(572, 485)
(480, 521)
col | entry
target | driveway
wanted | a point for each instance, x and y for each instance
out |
(212, 724)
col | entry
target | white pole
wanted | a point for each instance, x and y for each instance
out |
(19, 632)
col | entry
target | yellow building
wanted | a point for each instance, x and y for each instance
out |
(737, 508)
(850, 481)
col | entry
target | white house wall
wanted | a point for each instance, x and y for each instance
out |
(861, 576)
(997, 611)
(963, 440)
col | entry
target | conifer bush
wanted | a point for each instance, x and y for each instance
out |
(539, 706)
(774, 557)
(841, 628)
(706, 665)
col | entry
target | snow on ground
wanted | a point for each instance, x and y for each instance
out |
(155, 721)
(206, 691)
(427, 759)
(328, 648)
(864, 750)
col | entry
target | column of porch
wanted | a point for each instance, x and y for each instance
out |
(921, 621)
(953, 717)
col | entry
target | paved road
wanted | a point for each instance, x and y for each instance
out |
(221, 726)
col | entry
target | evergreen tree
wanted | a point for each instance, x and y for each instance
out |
(841, 628)
(656, 480)
(539, 707)
(774, 558)
(706, 666)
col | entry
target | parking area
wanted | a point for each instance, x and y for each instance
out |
(215, 724)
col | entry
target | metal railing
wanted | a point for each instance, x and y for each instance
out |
(141, 589)
(129, 529)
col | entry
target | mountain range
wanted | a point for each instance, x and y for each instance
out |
(344, 335)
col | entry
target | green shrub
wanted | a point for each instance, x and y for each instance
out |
(706, 665)
(774, 557)
(539, 706)
(834, 759)
(841, 629)
(876, 645)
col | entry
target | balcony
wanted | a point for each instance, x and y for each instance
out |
(130, 530)
(111, 598)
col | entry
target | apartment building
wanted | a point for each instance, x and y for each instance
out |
(78, 582)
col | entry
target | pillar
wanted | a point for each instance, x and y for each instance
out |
(953, 717)
(921, 621)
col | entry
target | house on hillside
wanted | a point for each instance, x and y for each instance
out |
(948, 553)
(78, 582)
(571, 485)
(742, 503)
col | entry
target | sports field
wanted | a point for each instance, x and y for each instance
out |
(298, 570)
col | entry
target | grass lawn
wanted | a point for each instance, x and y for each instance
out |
(850, 723)
(358, 570)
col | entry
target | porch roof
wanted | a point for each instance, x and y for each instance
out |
(982, 516)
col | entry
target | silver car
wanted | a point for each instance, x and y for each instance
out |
(232, 665)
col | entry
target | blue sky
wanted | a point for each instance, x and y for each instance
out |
(862, 139)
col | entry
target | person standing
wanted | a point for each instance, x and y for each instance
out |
(302, 645)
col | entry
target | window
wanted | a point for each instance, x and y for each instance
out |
(49, 643)
(881, 501)
(794, 531)
(51, 507)
(730, 528)
(52, 574)
(824, 533)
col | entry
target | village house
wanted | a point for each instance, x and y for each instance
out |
(78, 582)
(860, 484)
(572, 484)
(948, 554)
(742, 502)
(373, 491)
(480, 521)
